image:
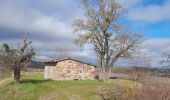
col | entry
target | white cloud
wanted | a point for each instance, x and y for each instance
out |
(129, 3)
(57, 2)
(155, 48)
(150, 13)
(152, 51)
(52, 26)
(24, 17)
(44, 52)
(157, 44)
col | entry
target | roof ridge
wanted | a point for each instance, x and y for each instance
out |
(55, 61)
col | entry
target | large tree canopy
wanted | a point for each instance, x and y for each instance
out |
(102, 29)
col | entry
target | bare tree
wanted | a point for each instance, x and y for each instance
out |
(102, 29)
(139, 59)
(14, 59)
(60, 53)
(166, 62)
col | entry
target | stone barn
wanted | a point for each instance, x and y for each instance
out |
(69, 69)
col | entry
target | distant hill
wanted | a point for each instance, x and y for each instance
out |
(152, 69)
(165, 68)
(36, 65)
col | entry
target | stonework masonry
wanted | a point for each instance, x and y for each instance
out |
(69, 70)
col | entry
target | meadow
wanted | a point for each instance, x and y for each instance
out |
(34, 87)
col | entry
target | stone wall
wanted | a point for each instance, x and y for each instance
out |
(70, 70)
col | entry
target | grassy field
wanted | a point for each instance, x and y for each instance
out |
(34, 87)
(5, 74)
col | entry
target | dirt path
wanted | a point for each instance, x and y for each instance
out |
(5, 80)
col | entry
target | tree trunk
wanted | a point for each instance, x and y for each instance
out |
(109, 72)
(103, 70)
(104, 74)
(17, 75)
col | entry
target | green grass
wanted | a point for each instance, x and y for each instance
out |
(34, 87)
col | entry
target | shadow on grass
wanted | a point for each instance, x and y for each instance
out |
(32, 81)
(113, 77)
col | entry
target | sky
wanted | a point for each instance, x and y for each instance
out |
(49, 24)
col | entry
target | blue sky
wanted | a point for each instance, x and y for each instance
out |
(153, 30)
(159, 27)
(49, 23)
(158, 30)
(148, 2)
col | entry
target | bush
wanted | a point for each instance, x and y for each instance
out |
(154, 92)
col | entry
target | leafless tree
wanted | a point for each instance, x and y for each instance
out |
(139, 59)
(166, 62)
(102, 29)
(14, 59)
(60, 53)
(139, 62)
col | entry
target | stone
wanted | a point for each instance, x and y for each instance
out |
(69, 69)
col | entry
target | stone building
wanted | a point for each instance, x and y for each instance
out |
(69, 69)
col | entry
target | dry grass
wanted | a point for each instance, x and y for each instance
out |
(4, 74)
(147, 88)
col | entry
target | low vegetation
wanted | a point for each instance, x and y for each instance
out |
(34, 87)
(148, 87)
(5, 74)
